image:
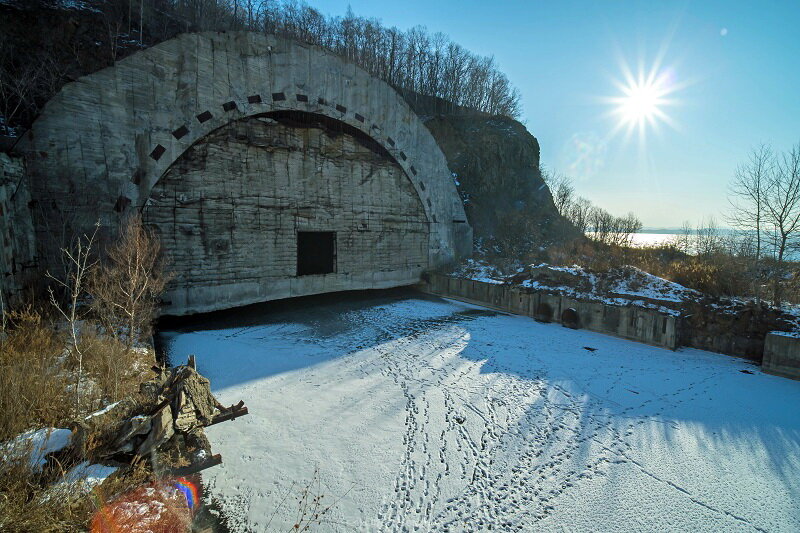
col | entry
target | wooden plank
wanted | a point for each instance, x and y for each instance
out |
(214, 460)
(234, 411)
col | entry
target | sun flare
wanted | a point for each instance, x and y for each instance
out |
(643, 100)
(640, 103)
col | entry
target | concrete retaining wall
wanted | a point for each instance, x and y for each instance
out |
(781, 356)
(634, 323)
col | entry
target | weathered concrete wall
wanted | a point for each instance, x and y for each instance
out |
(634, 323)
(17, 245)
(228, 211)
(103, 143)
(782, 355)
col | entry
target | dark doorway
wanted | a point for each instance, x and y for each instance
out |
(316, 252)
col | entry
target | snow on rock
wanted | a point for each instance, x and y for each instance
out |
(102, 411)
(642, 284)
(431, 415)
(38, 443)
(622, 286)
(480, 271)
(80, 479)
(91, 474)
(76, 5)
(792, 334)
(157, 507)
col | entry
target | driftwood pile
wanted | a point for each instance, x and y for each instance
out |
(168, 428)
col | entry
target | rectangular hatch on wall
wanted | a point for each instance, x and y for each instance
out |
(316, 252)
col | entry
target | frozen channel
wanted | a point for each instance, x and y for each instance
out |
(412, 413)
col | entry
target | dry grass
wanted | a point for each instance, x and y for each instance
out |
(25, 507)
(37, 383)
(114, 369)
(33, 375)
(26, 504)
(37, 370)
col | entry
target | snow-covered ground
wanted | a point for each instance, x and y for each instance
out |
(422, 414)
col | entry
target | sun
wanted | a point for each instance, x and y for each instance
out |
(640, 103)
(643, 100)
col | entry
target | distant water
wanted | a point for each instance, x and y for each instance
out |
(648, 238)
(654, 239)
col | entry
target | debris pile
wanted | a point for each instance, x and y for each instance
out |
(175, 406)
(159, 433)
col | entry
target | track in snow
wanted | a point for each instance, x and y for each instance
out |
(422, 414)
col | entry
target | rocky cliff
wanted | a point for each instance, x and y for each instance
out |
(495, 163)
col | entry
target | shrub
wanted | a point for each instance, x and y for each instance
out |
(127, 286)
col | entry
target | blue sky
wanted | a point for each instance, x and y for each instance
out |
(734, 68)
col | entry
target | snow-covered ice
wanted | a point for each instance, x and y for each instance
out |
(422, 414)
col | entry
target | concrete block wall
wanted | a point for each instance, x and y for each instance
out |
(782, 355)
(228, 212)
(639, 324)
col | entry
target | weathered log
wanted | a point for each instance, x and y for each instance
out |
(161, 432)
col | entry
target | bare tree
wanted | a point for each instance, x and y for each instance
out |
(561, 189)
(579, 213)
(24, 86)
(127, 286)
(707, 238)
(782, 211)
(79, 262)
(683, 240)
(746, 196)
(602, 224)
(624, 229)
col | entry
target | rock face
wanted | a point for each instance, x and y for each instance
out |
(732, 327)
(495, 164)
(17, 250)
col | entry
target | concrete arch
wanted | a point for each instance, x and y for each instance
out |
(104, 141)
(387, 143)
(122, 127)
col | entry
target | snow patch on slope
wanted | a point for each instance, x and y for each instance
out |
(38, 443)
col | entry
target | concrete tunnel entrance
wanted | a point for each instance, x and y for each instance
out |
(285, 138)
(316, 252)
